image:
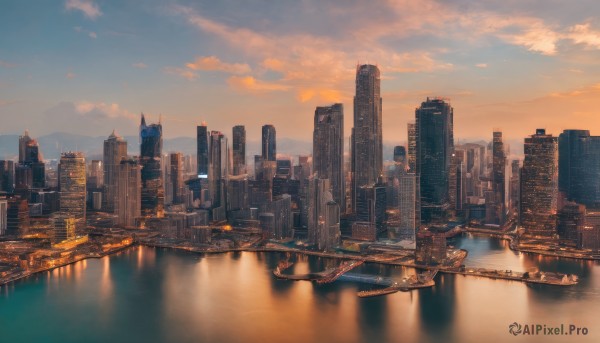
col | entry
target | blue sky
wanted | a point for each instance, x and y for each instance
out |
(87, 67)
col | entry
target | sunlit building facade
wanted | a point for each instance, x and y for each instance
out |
(72, 184)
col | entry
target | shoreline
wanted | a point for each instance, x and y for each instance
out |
(366, 259)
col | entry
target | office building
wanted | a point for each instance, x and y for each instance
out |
(269, 143)
(72, 185)
(434, 150)
(323, 215)
(128, 206)
(328, 149)
(498, 180)
(176, 177)
(153, 193)
(7, 176)
(115, 149)
(3, 215)
(239, 150)
(366, 137)
(202, 138)
(539, 184)
(64, 227)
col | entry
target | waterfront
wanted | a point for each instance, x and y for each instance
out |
(162, 295)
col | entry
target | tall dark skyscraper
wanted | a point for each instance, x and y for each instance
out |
(269, 143)
(539, 184)
(219, 168)
(23, 141)
(153, 193)
(498, 178)
(115, 149)
(366, 138)
(328, 149)
(434, 138)
(30, 172)
(239, 150)
(7, 176)
(176, 177)
(579, 167)
(202, 136)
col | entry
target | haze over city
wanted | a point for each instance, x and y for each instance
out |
(87, 67)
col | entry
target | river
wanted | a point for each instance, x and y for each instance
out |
(161, 295)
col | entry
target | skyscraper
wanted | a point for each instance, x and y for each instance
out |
(153, 193)
(64, 225)
(115, 149)
(323, 215)
(366, 137)
(269, 143)
(7, 176)
(30, 171)
(3, 215)
(579, 167)
(412, 147)
(128, 205)
(23, 141)
(176, 177)
(434, 138)
(239, 150)
(409, 204)
(539, 184)
(219, 168)
(72, 182)
(328, 149)
(202, 136)
(498, 179)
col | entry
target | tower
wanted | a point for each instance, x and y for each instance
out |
(328, 149)
(153, 194)
(239, 150)
(366, 136)
(269, 143)
(539, 184)
(72, 184)
(434, 139)
(115, 149)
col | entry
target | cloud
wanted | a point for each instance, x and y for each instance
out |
(7, 102)
(249, 83)
(139, 65)
(87, 117)
(70, 75)
(87, 7)
(481, 65)
(91, 34)
(583, 34)
(213, 63)
(186, 73)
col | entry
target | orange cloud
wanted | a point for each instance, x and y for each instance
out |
(213, 63)
(249, 83)
(187, 74)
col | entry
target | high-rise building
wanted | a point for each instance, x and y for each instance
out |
(23, 141)
(371, 204)
(64, 225)
(218, 172)
(128, 198)
(570, 220)
(202, 137)
(115, 149)
(239, 150)
(328, 150)
(412, 147)
(237, 193)
(281, 208)
(539, 184)
(323, 215)
(498, 179)
(95, 177)
(72, 184)
(153, 193)
(409, 201)
(17, 217)
(3, 215)
(434, 149)
(579, 167)
(366, 136)
(269, 143)
(7, 176)
(514, 188)
(176, 177)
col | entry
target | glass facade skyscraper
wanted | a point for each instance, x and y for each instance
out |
(72, 183)
(328, 149)
(539, 184)
(115, 149)
(269, 143)
(434, 138)
(366, 136)
(239, 150)
(153, 194)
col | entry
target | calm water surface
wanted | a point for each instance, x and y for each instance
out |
(161, 295)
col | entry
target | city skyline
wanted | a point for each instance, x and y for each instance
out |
(101, 68)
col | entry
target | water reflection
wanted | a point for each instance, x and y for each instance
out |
(164, 295)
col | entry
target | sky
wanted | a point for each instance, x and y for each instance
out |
(88, 66)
